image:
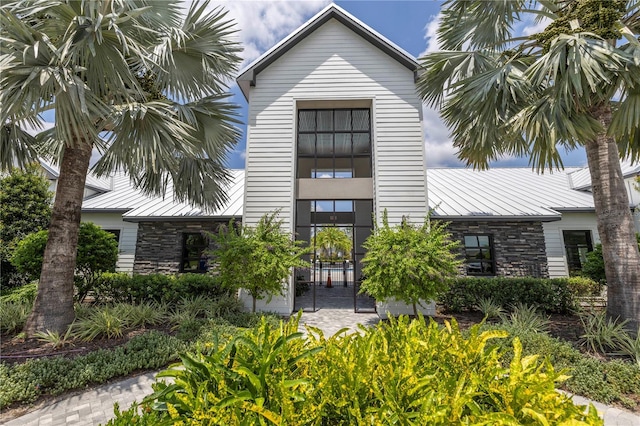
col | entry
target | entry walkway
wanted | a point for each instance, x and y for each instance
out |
(96, 406)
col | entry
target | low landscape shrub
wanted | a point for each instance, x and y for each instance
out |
(554, 295)
(24, 383)
(51, 376)
(400, 372)
(121, 287)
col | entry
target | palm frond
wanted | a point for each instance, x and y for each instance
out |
(479, 107)
(478, 24)
(17, 147)
(579, 70)
(442, 69)
(625, 124)
(198, 59)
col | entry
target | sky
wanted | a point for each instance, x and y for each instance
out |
(410, 24)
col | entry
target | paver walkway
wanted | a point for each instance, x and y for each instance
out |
(96, 406)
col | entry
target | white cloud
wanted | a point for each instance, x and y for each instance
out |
(263, 23)
(438, 146)
(431, 34)
(533, 27)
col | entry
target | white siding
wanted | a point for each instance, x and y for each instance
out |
(128, 236)
(334, 63)
(556, 255)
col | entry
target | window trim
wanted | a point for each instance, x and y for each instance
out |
(491, 260)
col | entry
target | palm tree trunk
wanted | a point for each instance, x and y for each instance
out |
(615, 224)
(53, 307)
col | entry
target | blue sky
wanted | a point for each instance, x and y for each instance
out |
(409, 24)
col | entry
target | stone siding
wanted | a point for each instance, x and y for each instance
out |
(519, 247)
(159, 244)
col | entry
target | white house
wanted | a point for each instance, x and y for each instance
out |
(334, 139)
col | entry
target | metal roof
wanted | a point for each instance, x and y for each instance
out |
(138, 207)
(93, 182)
(247, 76)
(503, 193)
(581, 179)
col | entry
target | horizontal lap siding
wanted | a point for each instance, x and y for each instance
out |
(334, 63)
(554, 244)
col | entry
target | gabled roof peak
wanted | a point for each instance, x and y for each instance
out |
(247, 76)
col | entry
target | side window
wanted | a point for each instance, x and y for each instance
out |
(193, 257)
(479, 254)
(116, 234)
(577, 243)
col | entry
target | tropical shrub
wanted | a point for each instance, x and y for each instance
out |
(398, 373)
(630, 345)
(26, 208)
(13, 315)
(553, 295)
(603, 381)
(257, 259)
(525, 319)
(409, 262)
(97, 252)
(489, 308)
(601, 334)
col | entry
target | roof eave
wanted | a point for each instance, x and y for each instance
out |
(178, 218)
(498, 218)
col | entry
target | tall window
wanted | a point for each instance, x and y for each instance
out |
(194, 258)
(479, 254)
(334, 143)
(577, 244)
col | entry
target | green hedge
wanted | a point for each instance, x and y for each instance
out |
(556, 295)
(121, 287)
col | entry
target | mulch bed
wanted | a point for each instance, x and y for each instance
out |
(15, 350)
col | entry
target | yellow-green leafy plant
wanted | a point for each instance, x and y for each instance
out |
(401, 372)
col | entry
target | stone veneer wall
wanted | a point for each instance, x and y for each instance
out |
(519, 247)
(159, 244)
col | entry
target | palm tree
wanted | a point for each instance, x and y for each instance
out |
(576, 83)
(331, 240)
(142, 82)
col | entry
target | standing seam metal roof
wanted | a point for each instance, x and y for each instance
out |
(503, 193)
(137, 206)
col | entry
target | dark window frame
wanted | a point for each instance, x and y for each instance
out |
(482, 261)
(574, 260)
(351, 157)
(187, 259)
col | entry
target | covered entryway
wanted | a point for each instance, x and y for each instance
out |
(335, 231)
